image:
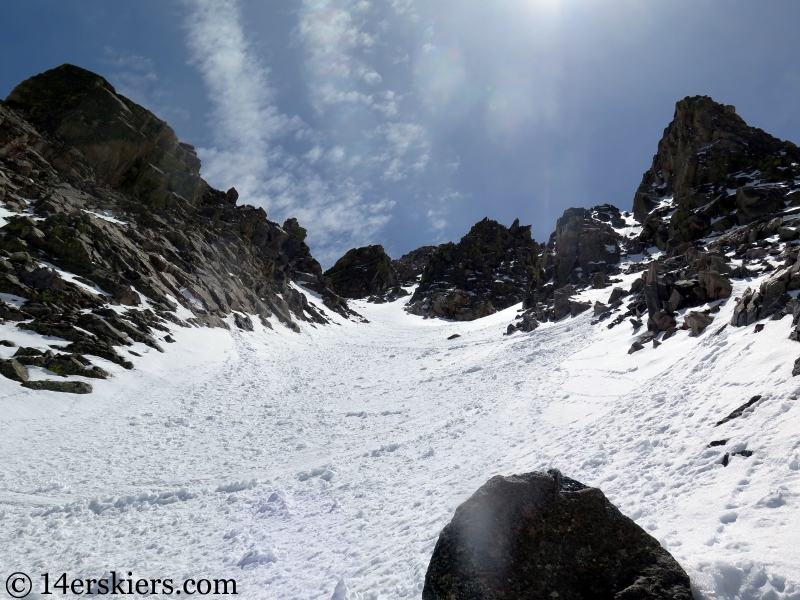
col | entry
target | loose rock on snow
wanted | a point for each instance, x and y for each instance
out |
(738, 412)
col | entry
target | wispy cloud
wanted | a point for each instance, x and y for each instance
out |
(332, 32)
(406, 150)
(312, 185)
(340, 41)
(135, 77)
(244, 113)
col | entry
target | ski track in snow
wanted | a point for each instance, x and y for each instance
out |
(292, 461)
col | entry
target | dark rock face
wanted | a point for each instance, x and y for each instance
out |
(362, 272)
(770, 299)
(561, 302)
(544, 536)
(410, 266)
(576, 308)
(491, 268)
(70, 387)
(295, 255)
(711, 172)
(739, 411)
(697, 322)
(124, 144)
(756, 202)
(635, 347)
(585, 245)
(61, 364)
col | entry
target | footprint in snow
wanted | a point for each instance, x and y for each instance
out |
(323, 473)
(774, 500)
(257, 557)
(383, 449)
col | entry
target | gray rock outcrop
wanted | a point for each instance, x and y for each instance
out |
(410, 266)
(585, 245)
(711, 172)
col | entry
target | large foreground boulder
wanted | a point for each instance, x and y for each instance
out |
(544, 536)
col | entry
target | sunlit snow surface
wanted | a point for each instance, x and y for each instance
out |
(292, 461)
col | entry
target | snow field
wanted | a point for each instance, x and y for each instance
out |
(325, 463)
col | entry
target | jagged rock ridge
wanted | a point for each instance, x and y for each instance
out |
(721, 197)
(103, 190)
(491, 268)
(410, 266)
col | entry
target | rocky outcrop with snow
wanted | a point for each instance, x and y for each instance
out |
(108, 229)
(410, 266)
(711, 172)
(490, 268)
(587, 247)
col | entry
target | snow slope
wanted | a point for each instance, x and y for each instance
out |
(296, 462)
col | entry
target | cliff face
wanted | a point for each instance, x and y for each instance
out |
(101, 189)
(587, 246)
(410, 266)
(711, 171)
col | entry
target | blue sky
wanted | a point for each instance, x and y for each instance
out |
(403, 122)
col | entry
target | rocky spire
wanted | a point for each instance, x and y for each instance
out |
(706, 153)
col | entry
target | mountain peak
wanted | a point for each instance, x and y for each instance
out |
(706, 150)
(125, 144)
(53, 92)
